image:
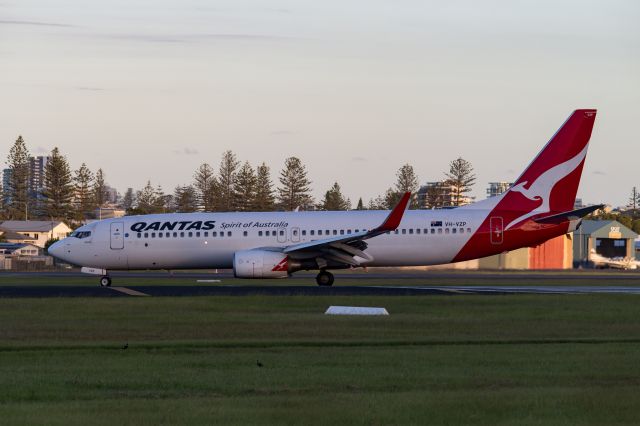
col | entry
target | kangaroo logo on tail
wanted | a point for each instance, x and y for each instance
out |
(541, 188)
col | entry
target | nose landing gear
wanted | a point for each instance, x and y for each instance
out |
(324, 278)
(105, 281)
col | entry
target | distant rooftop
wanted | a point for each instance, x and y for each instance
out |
(29, 225)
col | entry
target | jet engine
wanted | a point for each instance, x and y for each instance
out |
(262, 264)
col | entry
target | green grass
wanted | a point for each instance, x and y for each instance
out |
(526, 359)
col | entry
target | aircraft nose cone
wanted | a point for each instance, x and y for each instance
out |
(56, 249)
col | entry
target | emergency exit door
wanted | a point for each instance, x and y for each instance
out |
(117, 235)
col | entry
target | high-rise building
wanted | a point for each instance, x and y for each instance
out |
(6, 181)
(440, 194)
(37, 166)
(497, 188)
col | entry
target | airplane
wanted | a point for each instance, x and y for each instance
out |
(538, 207)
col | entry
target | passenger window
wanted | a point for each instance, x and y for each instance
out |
(214, 234)
(190, 234)
(469, 230)
(167, 234)
(182, 235)
(439, 230)
(446, 231)
(425, 230)
(326, 232)
(197, 235)
(348, 231)
(159, 234)
(245, 233)
(221, 234)
(411, 231)
(342, 232)
(396, 232)
(319, 231)
(206, 234)
(357, 230)
(281, 233)
(146, 235)
(295, 232)
(139, 235)
(453, 230)
(259, 233)
(126, 235)
(304, 232)
(335, 232)
(462, 230)
(312, 232)
(404, 231)
(175, 235)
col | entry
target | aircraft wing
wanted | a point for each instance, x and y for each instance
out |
(344, 248)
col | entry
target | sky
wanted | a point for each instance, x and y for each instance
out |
(149, 90)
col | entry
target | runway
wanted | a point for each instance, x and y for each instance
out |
(231, 290)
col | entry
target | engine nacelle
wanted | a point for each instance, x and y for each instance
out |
(261, 264)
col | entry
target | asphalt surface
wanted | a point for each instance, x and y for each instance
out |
(382, 284)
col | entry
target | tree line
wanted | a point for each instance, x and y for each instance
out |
(74, 195)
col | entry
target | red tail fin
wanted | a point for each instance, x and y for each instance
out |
(554, 175)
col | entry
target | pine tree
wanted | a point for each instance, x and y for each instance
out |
(83, 200)
(99, 189)
(264, 199)
(360, 204)
(407, 181)
(334, 200)
(246, 188)
(295, 186)
(58, 187)
(146, 199)
(377, 203)
(205, 185)
(18, 191)
(226, 193)
(128, 200)
(161, 201)
(185, 199)
(634, 200)
(461, 178)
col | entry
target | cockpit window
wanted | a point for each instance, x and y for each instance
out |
(80, 234)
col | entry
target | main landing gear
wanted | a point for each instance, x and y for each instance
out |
(105, 281)
(324, 278)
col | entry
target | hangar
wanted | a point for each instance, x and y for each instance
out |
(607, 238)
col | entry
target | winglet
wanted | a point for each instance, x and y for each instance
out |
(393, 220)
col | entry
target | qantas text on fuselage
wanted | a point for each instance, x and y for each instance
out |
(539, 206)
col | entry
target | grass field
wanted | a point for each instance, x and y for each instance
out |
(524, 359)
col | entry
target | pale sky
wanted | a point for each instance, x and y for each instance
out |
(152, 89)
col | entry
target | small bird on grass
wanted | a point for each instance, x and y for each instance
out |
(259, 364)
(126, 345)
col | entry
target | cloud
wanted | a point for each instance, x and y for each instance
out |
(35, 23)
(41, 150)
(186, 151)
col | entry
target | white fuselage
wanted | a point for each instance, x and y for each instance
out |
(171, 241)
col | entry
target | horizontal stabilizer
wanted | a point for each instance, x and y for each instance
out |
(570, 215)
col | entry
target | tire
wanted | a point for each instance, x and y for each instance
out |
(105, 281)
(324, 279)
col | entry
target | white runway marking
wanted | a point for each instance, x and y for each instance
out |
(129, 291)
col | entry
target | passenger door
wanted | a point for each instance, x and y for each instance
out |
(496, 230)
(117, 235)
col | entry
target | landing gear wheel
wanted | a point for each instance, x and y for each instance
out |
(105, 281)
(324, 279)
